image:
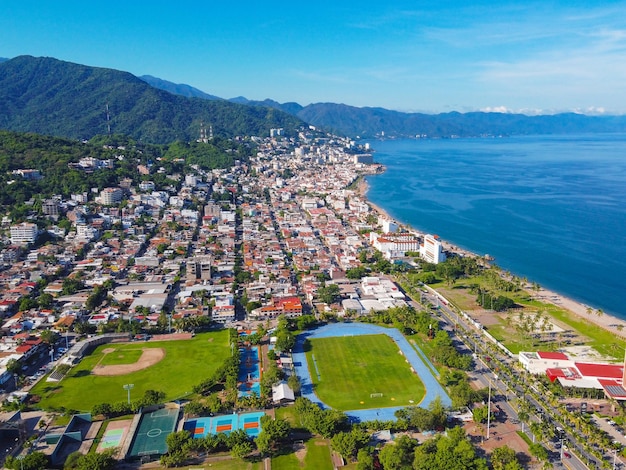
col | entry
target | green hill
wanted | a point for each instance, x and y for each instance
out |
(53, 97)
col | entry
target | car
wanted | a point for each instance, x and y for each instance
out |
(567, 455)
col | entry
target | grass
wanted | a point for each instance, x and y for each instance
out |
(317, 456)
(351, 368)
(121, 356)
(587, 332)
(227, 464)
(186, 363)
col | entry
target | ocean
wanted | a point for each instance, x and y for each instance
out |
(548, 208)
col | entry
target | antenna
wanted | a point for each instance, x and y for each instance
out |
(203, 136)
(108, 119)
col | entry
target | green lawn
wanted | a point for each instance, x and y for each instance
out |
(353, 367)
(317, 456)
(186, 364)
(121, 356)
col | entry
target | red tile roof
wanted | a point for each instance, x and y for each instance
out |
(613, 371)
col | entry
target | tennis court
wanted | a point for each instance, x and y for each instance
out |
(152, 431)
(112, 438)
(249, 422)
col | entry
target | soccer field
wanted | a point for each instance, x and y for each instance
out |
(186, 363)
(347, 370)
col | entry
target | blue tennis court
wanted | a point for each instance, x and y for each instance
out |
(249, 422)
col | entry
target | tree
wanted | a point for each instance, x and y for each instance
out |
(177, 440)
(153, 397)
(416, 418)
(241, 450)
(479, 414)
(365, 459)
(33, 461)
(399, 455)
(103, 409)
(273, 431)
(505, 458)
(348, 443)
(48, 336)
(329, 294)
(93, 461)
(285, 341)
(438, 412)
(538, 451)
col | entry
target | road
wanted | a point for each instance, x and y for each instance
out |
(469, 339)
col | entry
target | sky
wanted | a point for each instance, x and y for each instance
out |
(531, 57)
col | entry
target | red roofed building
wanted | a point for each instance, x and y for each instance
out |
(605, 371)
(289, 306)
(552, 355)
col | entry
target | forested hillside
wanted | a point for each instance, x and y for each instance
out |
(53, 157)
(52, 97)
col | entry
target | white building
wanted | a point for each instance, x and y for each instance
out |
(389, 226)
(23, 233)
(394, 245)
(432, 250)
(111, 196)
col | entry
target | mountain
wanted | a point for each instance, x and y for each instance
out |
(290, 107)
(53, 97)
(177, 88)
(3, 59)
(371, 122)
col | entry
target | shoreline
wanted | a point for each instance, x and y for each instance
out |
(606, 321)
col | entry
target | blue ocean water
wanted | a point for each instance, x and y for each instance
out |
(549, 208)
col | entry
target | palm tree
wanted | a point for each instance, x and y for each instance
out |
(599, 312)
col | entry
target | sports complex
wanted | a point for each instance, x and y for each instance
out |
(374, 386)
(367, 371)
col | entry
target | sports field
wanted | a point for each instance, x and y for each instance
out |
(347, 370)
(185, 364)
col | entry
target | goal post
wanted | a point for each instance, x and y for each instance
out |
(376, 395)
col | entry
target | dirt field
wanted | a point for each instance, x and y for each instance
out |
(149, 357)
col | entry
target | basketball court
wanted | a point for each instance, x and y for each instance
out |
(151, 432)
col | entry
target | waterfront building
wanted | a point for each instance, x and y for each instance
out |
(432, 249)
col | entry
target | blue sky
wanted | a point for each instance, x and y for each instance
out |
(530, 57)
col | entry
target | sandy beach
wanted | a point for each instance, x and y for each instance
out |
(613, 324)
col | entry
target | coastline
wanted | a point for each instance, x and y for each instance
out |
(606, 321)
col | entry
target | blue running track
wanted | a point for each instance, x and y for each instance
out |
(433, 388)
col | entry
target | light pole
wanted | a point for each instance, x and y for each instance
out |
(489, 410)
(489, 406)
(128, 388)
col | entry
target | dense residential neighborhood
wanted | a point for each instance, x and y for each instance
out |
(255, 241)
(280, 241)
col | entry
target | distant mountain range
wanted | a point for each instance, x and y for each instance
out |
(53, 97)
(373, 122)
